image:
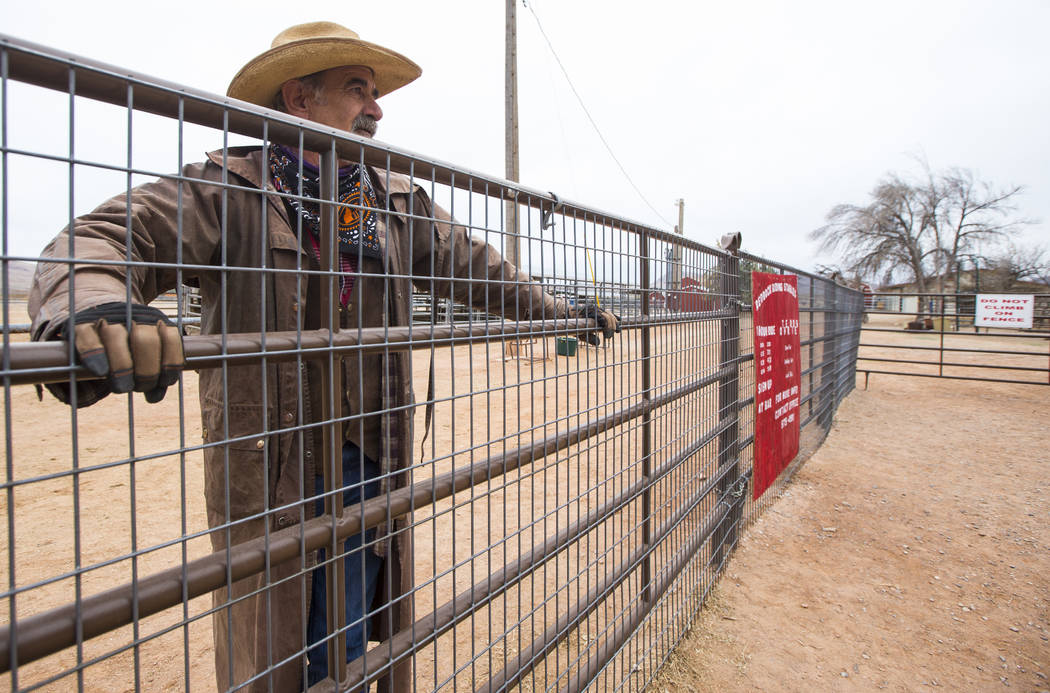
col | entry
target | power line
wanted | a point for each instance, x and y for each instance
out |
(588, 114)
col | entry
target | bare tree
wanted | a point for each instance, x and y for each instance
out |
(1014, 264)
(893, 233)
(919, 229)
(969, 212)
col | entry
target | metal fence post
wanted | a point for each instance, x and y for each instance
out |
(647, 418)
(812, 349)
(728, 402)
(331, 412)
(940, 353)
(855, 319)
(828, 358)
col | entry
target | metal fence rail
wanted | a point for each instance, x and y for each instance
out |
(933, 335)
(550, 514)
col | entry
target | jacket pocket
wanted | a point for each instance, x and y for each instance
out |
(236, 474)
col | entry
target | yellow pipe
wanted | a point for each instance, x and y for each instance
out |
(594, 281)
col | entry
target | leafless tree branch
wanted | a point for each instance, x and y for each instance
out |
(919, 229)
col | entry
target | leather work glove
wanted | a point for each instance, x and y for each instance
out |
(608, 321)
(148, 360)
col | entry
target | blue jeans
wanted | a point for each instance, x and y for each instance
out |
(362, 571)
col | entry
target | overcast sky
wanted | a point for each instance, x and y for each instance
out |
(761, 115)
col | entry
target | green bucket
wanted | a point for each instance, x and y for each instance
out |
(565, 346)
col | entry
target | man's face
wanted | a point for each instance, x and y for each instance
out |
(347, 101)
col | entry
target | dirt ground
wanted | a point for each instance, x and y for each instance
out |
(911, 551)
(113, 509)
(912, 546)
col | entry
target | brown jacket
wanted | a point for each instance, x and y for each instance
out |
(256, 419)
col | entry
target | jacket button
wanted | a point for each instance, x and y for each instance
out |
(308, 455)
(260, 443)
(283, 520)
(295, 307)
(289, 416)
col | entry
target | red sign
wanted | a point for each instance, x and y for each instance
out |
(777, 375)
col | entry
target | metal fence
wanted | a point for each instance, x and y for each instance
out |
(550, 514)
(933, 335)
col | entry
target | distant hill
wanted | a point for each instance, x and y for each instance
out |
(19, 276)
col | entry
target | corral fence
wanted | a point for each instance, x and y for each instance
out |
(933, 335)
(563, 510)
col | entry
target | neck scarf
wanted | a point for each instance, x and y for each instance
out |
(355, 215)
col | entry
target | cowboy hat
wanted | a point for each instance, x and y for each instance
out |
(304, 49)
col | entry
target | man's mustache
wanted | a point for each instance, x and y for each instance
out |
(364, 123)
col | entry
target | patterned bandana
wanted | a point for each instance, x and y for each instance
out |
(356, 221)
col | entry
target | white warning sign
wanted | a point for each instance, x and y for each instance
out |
(1004, 310)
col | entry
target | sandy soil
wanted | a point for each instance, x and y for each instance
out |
(911, 551)
(947, 479)
(112, 508)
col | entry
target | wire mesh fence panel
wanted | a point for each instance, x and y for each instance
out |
(392, 458)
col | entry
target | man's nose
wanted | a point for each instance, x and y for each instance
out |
(372, 109)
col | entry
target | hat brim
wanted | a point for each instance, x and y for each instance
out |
(259, 80)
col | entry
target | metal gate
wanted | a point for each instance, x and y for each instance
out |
(934, 336)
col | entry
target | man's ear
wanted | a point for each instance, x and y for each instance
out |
(295, 98)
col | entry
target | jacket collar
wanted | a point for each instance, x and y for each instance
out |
(247, 163)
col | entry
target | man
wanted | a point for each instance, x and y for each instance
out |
(257, 263)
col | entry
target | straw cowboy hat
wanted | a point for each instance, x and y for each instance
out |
(308, 48)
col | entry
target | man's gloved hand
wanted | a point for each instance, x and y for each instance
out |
(608, 321)
(148, 360)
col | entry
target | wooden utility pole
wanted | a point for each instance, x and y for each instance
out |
(676, 252)
(511, 247)
(510, 243)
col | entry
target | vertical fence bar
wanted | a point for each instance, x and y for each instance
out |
(9, 469)
(331, 414)
(812, 344)
(940, 353)
(827, 371)
(855, 316)
(647, 418)
(728, 400)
